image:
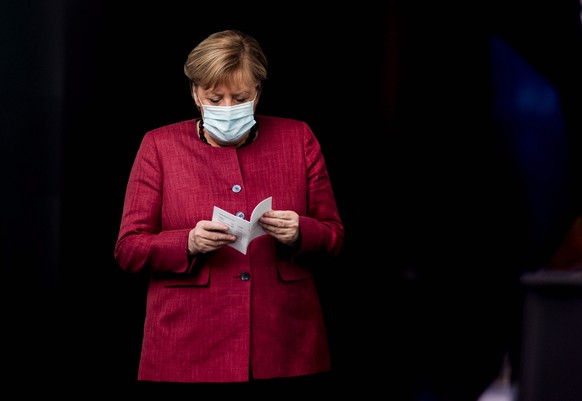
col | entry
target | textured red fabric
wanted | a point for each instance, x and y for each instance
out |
(203, 322)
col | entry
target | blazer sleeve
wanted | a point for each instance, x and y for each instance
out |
(322, 228)
(141, 243)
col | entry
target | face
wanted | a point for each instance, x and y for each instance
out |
(223, 95)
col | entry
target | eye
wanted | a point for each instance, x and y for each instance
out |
(242, 99)
(214, 101)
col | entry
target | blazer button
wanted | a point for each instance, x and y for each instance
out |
(245, 276)
(236, 188)
(240, 214)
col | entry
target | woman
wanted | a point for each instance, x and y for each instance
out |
(215, 314)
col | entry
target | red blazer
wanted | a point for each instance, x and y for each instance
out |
(208, 318)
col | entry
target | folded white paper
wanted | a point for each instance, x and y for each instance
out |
(245, 231)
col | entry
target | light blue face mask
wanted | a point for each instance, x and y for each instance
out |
(228, 124)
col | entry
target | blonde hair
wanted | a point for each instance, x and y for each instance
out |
(224, 58)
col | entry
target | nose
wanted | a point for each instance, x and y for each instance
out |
(228, 101)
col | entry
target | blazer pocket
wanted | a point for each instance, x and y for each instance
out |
(200, 277)
(292, 271)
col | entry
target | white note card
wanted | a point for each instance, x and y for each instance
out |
(245, 231)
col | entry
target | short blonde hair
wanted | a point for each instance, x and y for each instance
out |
(224, 58)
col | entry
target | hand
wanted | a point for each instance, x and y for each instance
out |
(208, 236)
(281, 224)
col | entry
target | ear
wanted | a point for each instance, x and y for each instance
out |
(193, 92)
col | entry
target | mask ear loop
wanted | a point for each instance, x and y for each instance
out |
(200, 125)
(195, 96)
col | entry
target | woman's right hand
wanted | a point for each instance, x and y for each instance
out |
(208, 236)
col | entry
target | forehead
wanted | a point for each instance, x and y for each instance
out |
(223, 88)
(240, 80)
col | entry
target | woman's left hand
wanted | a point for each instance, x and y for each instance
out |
(281, 224)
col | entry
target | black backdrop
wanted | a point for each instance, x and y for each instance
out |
(399, 96)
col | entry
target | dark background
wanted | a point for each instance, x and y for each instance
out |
(402, 97)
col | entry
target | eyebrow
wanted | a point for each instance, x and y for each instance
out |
(234, 94)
